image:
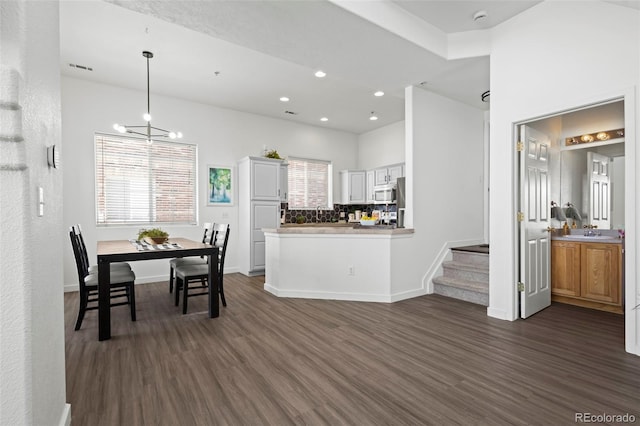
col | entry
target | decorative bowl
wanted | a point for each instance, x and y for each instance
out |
(368, 222)
(156, 240)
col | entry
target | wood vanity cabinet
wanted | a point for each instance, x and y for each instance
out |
(587, 274)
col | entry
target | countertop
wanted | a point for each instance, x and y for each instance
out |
(338, 228)
(581, 238)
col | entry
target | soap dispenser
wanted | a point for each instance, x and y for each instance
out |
(565, 229)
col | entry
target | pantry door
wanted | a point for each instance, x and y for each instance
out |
(534, 235)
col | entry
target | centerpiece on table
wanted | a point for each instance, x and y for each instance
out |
(153, 236)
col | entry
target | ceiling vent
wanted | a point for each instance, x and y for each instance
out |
(82, 67)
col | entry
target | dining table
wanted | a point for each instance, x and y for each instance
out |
(133, 250)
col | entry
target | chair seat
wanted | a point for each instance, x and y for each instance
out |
(192, 270)
(116, 277)
(118, 266)
(180, 261)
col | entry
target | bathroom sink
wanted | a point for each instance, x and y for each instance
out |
(589, 237)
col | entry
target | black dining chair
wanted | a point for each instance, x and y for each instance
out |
(93, 269)
(121, 283)
(194, 260)
(186, 274)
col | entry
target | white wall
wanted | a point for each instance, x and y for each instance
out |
(541, 64)
(223, 137)
(444, 162)
(382, 147)
(32, 366)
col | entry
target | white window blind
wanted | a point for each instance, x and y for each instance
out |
(142, 183)
(309, 183)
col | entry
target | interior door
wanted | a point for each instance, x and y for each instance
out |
(599, 190)
(534, 236)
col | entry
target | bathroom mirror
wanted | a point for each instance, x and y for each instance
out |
(592, 181)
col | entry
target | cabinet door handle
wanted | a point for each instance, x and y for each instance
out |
(278, 192)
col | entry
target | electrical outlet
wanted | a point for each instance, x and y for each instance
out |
(350, 270)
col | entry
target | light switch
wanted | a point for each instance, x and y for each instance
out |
(40, 201)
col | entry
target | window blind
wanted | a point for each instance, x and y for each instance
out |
(142, 183)
(309, 183)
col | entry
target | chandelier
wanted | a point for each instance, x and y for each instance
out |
(151, 132)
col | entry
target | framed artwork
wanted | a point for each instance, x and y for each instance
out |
(221, 186)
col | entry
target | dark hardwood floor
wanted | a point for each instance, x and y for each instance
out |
(265, 360)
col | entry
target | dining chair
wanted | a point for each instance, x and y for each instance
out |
(194, 260)
(186, 274)
(121, 283)
(93, 269)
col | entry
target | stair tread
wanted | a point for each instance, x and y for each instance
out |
(477, 286)
(465, 265)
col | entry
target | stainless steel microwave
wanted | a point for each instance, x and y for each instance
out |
(384, 194)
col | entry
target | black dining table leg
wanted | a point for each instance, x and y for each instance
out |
(104, 301)
(214, 302)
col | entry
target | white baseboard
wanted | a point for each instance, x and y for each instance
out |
(351, 297)
(499, 314)
(65, 418)
(147, 279)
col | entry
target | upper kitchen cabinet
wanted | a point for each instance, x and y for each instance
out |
(388, 174)
(371, 178)
(284, 182)
(265, 179)
(353, 185)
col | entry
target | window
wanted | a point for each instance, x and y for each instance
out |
(309, 183)
(142, 183)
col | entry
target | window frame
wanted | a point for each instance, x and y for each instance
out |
(152, 207)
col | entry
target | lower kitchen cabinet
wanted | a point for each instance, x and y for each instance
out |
(587, 274)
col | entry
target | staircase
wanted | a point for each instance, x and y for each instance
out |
(466, 277)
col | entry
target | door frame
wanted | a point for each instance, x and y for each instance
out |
(631, 288)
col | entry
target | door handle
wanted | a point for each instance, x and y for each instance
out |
(550, 229)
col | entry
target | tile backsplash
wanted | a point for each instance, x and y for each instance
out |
(309, 215)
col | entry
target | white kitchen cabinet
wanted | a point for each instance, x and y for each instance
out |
(353, 184)
(371, 180)
(284, 182)
(388, 174)
(259, 194)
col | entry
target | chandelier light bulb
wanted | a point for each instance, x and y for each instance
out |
(179, 134)
(146, 116)
(172, 135)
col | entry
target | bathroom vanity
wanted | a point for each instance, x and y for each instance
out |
(588, 271)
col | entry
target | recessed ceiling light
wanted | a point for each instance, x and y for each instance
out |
(373, 117)
(284, 99)
(379, 93)
(320, 74)
(324, 119)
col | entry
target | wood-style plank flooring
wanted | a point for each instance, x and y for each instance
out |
(266, 360)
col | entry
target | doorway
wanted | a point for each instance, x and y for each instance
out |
(556, 192)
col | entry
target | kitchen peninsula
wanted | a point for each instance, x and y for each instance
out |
(342, 262)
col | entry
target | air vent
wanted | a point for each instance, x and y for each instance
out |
(82, 67)
(291, 112)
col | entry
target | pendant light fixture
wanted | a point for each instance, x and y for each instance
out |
(158, 133)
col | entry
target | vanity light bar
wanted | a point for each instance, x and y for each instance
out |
(595, 137)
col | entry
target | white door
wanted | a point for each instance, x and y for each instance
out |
(535, 239)
(369, 185)
(381, 176)
(395, 172)
(599, 190)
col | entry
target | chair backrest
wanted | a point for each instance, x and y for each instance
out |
(208, 229)
(82, 246)
(220, 239)
(81, 266)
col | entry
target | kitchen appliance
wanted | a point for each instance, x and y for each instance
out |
(401, 200)
(384, 194)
